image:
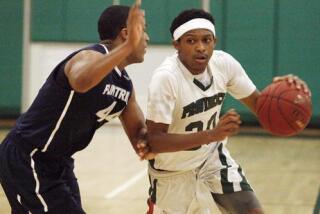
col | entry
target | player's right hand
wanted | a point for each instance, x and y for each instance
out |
(292, 79)
(144, 150)
(228, 125)
(135, 25)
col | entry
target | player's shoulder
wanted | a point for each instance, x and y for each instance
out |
(168, 68)
(88, 52)
(221, 57)
(225, 62)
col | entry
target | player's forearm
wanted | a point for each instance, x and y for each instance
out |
(165, 142)
(251, 101)
(139, 137)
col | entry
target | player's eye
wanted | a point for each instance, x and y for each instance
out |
(191, 41)
(207, 40)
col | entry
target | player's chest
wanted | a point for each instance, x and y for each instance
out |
(107, 100)
(195, 97)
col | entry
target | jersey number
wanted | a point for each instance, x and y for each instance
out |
(104, 114)
(198, 126)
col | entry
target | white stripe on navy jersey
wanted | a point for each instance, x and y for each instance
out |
(35, 175)
(115, 68)
(59, 121)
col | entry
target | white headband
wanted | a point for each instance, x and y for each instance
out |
(198, 23)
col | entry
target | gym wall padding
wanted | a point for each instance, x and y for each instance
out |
(269, 38)
(66, 20)
(159, 15)
(272, 38)
(11, 57)
(76, 20)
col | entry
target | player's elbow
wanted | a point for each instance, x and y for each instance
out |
(80, 85)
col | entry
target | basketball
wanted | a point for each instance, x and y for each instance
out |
(284, 110)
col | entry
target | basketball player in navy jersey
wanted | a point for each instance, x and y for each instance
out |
(87, 89)
(193, 168)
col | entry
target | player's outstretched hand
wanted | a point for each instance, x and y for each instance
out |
(292, 79)
(135, 25)
(228, 125)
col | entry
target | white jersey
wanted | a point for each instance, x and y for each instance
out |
(176, 98)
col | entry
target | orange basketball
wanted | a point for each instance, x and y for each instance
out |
(283, 109)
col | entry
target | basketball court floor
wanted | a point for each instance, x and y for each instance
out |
(285, 173)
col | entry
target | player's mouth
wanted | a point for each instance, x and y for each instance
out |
(201, 58)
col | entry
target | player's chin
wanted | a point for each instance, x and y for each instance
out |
(140, 59)
(201, 67)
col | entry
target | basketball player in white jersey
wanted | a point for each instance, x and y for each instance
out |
(193, 168)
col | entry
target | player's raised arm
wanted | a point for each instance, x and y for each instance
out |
(87, 68)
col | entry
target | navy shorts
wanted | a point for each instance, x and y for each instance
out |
(34, 184)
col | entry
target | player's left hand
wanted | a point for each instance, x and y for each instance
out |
(144, 151)
(292, 79)
(135, 24)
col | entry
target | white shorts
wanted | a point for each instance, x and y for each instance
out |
(189, 192)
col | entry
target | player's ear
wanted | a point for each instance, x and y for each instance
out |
(123, 33)
(215, 40)
(175, 44)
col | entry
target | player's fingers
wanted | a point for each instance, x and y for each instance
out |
(230, 118)
(138, 3)
(290, 78)
(231, 128)
(300, 84)
(231, 125)
(142, 152)
(287, 77)
(231, 112)
(275, 79)
(135, 11)
(149, 156)
(141, 145)
(296, 81)
(142, 148)
(305, 87)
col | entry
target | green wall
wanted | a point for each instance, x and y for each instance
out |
(10, 57)
(159, 15)
(66, 20)
(299, 45)
(76, 20)
(272, 38)
(247, 33)
(269, 38)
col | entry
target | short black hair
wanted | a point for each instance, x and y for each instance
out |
(187, 15)
(112, 20)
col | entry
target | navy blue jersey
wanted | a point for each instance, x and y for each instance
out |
(61, 121)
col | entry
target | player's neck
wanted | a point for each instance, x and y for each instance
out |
(110, 46)
(192, 70)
